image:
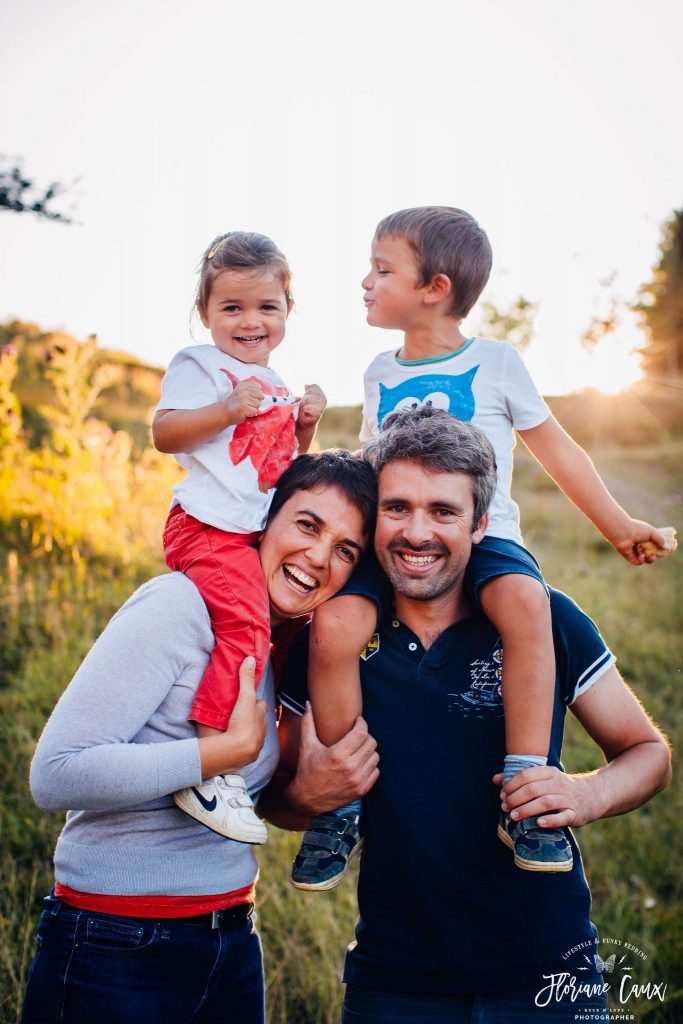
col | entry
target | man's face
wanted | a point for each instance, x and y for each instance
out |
(425, 529)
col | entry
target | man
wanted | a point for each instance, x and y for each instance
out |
(449, 929)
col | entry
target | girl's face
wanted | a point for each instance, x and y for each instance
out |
(309, 550)
(246, 313)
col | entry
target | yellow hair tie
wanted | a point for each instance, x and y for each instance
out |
(210, 255)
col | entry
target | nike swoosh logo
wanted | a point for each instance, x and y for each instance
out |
(209, 805)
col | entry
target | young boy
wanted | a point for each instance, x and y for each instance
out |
(428, 267)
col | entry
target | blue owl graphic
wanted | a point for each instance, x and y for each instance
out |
(443, 391)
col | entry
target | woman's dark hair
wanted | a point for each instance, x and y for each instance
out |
(353, 476)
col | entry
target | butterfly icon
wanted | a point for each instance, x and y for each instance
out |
(605, 966)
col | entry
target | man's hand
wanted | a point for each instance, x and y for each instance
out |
(312, 778)
(311, 406)
(241, 742)
(558, 799)
(244, 401)
(328, 777)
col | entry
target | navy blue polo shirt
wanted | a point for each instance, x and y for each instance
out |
(442, 906)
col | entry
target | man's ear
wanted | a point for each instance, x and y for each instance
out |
(439, 288)
(478, 534)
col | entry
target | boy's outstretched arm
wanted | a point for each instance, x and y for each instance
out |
(574, 473)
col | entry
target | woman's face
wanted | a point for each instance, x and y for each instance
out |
(309, 549)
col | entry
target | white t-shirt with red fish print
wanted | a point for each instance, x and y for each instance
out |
(230, 479)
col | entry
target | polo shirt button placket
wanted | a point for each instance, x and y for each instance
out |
(412, 646)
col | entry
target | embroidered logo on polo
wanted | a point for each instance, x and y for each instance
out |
(484, 695)
(371, 647)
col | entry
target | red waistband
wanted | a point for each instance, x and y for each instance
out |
(153, 906)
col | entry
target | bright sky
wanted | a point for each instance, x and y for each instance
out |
(554, 124)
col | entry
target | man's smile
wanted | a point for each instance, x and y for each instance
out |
(416, 561)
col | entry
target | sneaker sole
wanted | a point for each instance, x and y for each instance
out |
(249, 837)
(530, 865)
(329, 883)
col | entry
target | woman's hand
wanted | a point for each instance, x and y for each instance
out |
(557, 799)
(242, 740)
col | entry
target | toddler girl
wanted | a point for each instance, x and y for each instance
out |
(235, 426)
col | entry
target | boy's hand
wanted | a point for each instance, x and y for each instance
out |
(312, 406)
(244, 401)
(646, 547)
(644, 543)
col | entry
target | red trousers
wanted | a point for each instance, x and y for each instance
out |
(226, 570)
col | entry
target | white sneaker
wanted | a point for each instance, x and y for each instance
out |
(223, 804)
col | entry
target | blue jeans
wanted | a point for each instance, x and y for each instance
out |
(103, 969)
(370, 1006)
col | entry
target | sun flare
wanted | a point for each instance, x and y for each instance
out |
(612, 367)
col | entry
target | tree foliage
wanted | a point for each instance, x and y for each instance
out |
(514, 323)
(20, 194)
(661, 307)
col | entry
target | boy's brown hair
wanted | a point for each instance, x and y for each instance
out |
(446, 241)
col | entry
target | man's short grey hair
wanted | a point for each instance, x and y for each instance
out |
(439, 443)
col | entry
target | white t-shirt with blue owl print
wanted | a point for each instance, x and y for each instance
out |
(485, 383)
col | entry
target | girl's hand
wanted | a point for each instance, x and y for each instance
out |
(311, 406)
(244, 401)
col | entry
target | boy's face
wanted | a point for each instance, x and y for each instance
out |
(393, 292)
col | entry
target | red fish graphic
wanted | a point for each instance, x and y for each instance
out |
(267, 439)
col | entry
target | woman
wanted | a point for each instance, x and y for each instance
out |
(151, 917)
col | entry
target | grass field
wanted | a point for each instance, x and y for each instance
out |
(50, 611)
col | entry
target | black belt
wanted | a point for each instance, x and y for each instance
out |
(231, 917)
